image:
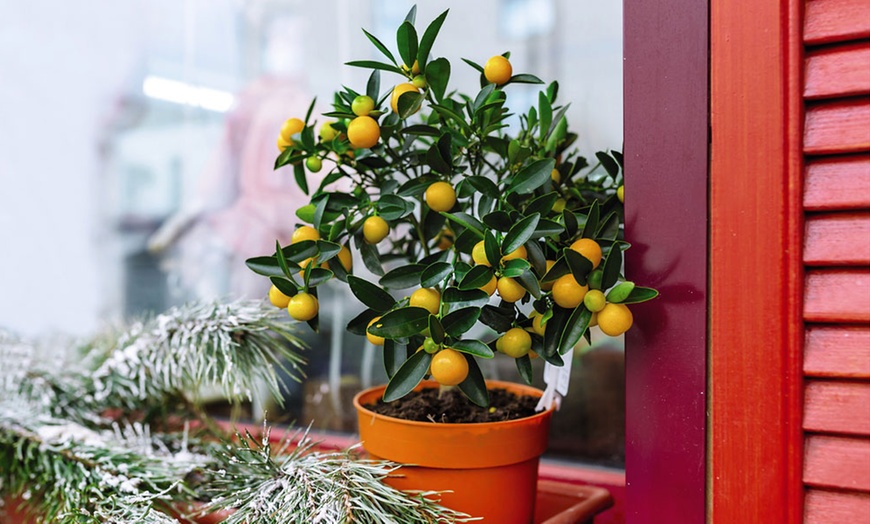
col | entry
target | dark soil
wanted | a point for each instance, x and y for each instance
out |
(452, 407)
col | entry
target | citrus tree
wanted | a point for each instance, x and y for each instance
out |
(467, 214)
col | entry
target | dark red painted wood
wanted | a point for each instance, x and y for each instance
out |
(837, 462)
(835, 507)
(837, 183)
(842, 70)
(837, 295)
(756, 220)
(837, 407)
(666, 127)
(837, 351)
(838, 127)
(838, 239)
(828, 21)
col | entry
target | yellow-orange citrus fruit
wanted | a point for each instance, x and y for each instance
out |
(615, 319)
(362, 105)
(589, 249)
(519, 252)
(594, 300)
(427, 298)
(567, 292)
(498, 70)
(304, 233)
(440, 196)
(515, 343)
(478, 254)
(510, 290)
(537, 326)
(559, 205)
(555, 176)
(327, 132)
(375, 229)
(398, 91)
(277, 298)
(291, 127)
(313, 163)
(445, 239)
(449, 367)
(546, 286)
(303, 306)
(491, 286)
(346, 259)
(283, 144)
(620, 193)
(363, 132)
(419, 81)
(374, 339)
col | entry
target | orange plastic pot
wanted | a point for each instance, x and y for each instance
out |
(487, 470)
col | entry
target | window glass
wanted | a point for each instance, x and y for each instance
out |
(151, 146)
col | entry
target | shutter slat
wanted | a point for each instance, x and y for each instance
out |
(828, 21)
(837, 295)
(837, 462)
(837, 239)
(835, 507)
(838, 127)
(841, 182)
(837, 407)
(837, 351)
(838, 71)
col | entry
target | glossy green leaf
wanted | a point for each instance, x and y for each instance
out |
(528, 280)
(640, 294)
(370, 64)
(473, 347)
(612, 267)
(516, 267)
(409, 103)
(520, 233)
(288, 287)
(428, 39)
(299, 175)
(559, 269)
(555, 327)
(476, 278)
(525, 79)
(467, 221)
(498, 220)
(543, 204)
(382, 48)
(370, 294)
(370, 257)
(620, 292)
(317, 276)
(592, 219)
(435, 274)
(395, 355)
(474, 385)
(436, 330)
(406, 38)
(421, 130)
(408, 376)
(579, 265)
(500, 319)
(546, 114)
(437, 76)
(403, 277)
(484, 185)
(266, 266)
(548, 228)
(358, 324)
(524, 368)
(460, 321)
(532, 176)
(392, 207)
(609, 227)
(458, 299)
(282, 261)
(608, 163)
(574, 329)
(400, 323)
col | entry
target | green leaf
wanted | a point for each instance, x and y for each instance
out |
(559, 269)
(484, 185)
(609, 227)
(382, 48)
(400, 323)
(392, 207)
(371, 64)
(516, 267)
(555, 327)
(299, 175)
(474, 385)
(358, 324)
(436, 330)
(437, 76)
(524, 368)
(520, 233)
(327, 250)
(408, 376)
(640, 294)
(467, 221)
(370, 257)
(370, 294)
(529, 281)
(282, 262)
(266, 266)
(498, 220)
(476, 278)
(449, 114)
(428, 39)
(403, 277)
(546, 112)
(498, 318)
(421, 130)
(435, 273)
(394, 356)
(288, 287)
(543, 204)
(473, 347)
(574, 328)
(460, 321)
(579, 265)
(291, 155)
(409, 103)
(592, 218)
(612, 267)
(620, 292)
(547, 228)
(618, 156)
(373, 87)
(525, 79)
(457, 299)
(532, 176)
(609, 163)
(406, 38)
(474, 65)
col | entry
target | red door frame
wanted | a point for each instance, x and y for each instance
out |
(756, 330)
(666, 73)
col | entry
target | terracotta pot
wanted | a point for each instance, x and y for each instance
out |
(490, 469)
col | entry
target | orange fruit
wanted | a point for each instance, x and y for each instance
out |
(427, 298)
(498, 70)
(510, 290)
(519, 252)
(363, 132)
(594, 300)
(398, 91)
(375, 229)
(614, 319)
(277, 298)
(449, 367)
(374, 339)
(440, 196)
(589, 249)
(567, 292)
(478, 254)
(362, 105)
(327, 132)
(546, 286)
(491, 286)
(516, 343)
(304, 233)
(290, 127)
(303, 306)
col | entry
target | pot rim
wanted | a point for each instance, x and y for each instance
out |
(491, 384)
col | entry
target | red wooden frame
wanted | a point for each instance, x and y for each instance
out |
(756, 441)
(666, 127)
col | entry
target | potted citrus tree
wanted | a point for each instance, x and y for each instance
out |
(486, 233)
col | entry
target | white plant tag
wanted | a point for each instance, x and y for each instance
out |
(557, 380)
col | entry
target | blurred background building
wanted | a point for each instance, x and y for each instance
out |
(137, 139)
